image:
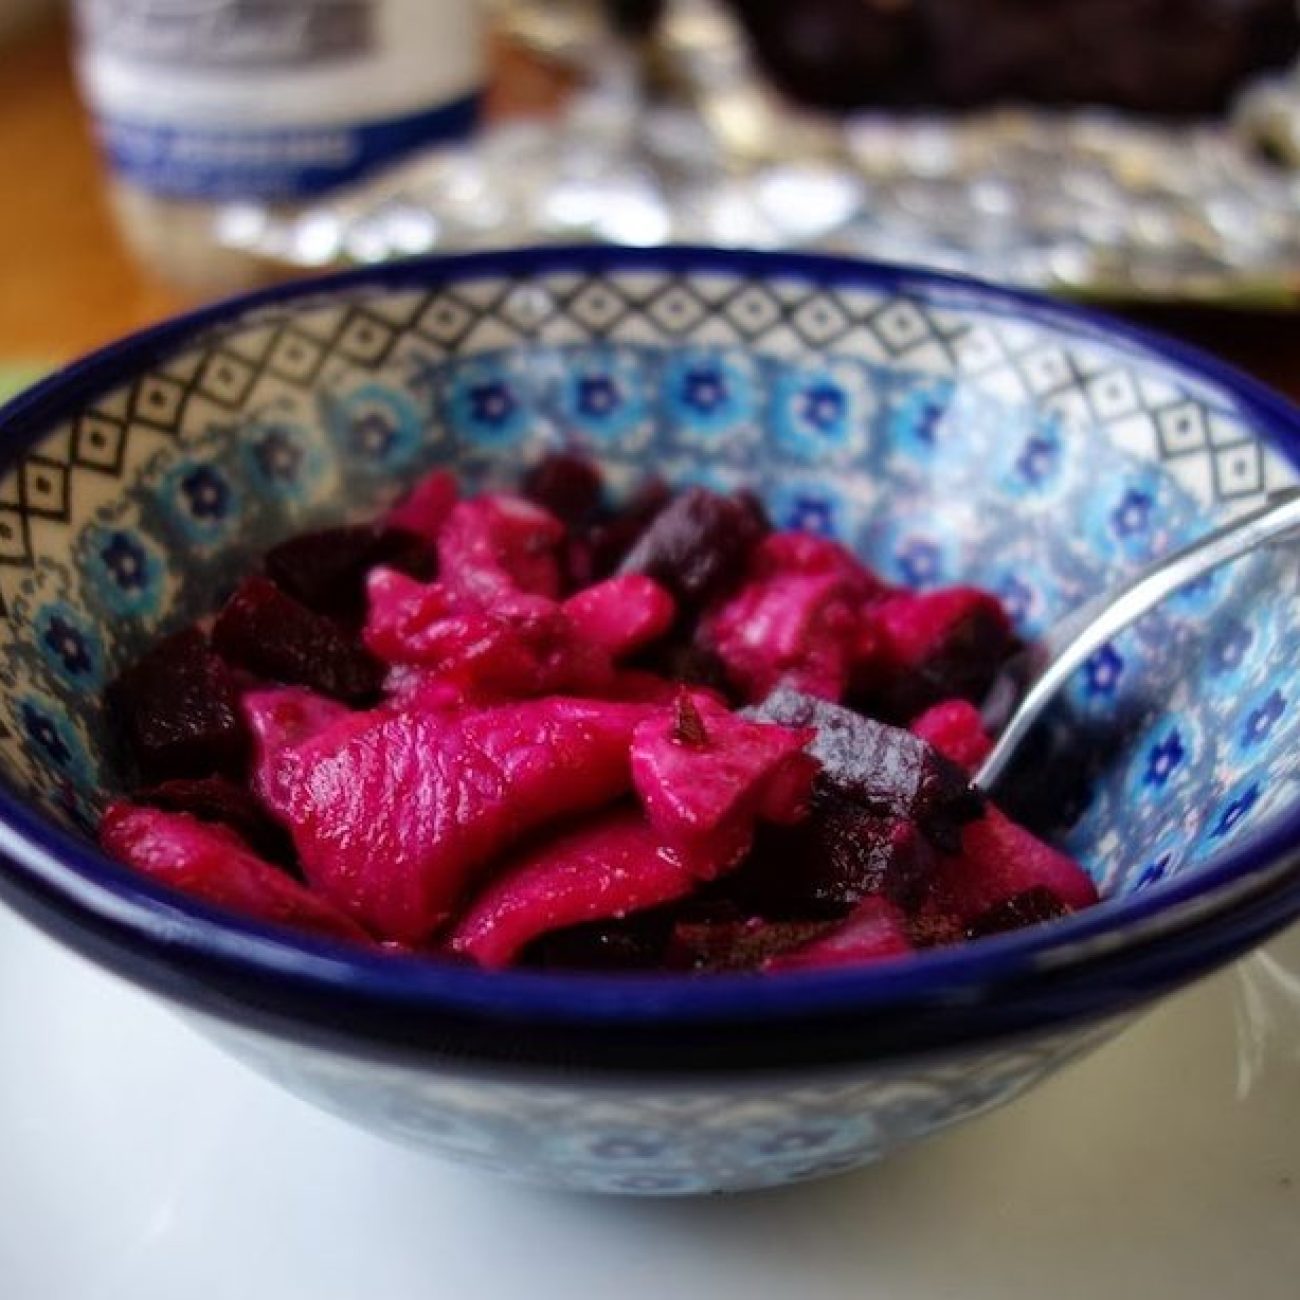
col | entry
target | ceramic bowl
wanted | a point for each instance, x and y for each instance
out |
(947, 430)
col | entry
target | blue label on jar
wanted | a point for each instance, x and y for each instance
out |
(284, 163)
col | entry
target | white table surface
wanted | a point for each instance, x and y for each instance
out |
(138, 1163)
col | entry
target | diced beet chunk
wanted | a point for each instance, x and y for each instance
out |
(1029, 907)
(796, 620)
(275, 636)
(688, 664)
(736, 944)
(500, 546)
(621, 615)
(931, 926)
(281, 718)
(568, 486)
(930, 647)
(1000, 860)
(424, 509)
(705, 776)
(794, 630)
(606, 868)
(955, 729)
(212, 863)
(876, 931)
(394, 817)
(843, 851)
(634, 942)
(885, 769)
(428, 626)
(698, 545)
(326, 570)
(597, 552)
(178, 709)
(215, 799)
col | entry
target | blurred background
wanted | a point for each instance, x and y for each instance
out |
(1141, 154)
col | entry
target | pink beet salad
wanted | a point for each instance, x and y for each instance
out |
(535, 730)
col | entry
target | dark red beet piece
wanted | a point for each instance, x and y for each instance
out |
(214, 799)
(824, 866)
(698, 545)
(876, 931)
(178, 710)
(1030, 907)
(212, 863)
(568, 486)
(597, 552)
(930, 647)
(883, 769)
(737, 945)
(689, 664)
(326, 570)
(273, 635)
(634, 942)
(930, 926)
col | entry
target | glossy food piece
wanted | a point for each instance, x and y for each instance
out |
(1000, 861)
(876, 931)
(698, 545)
(605, 868)
(222, 802)
(212, 863)
(468, 737)
(797, 619)
(393, 820)
(930, 647)
(177, 709)
(954, 728)
(271, 634)
(705, 777)
(326, 570)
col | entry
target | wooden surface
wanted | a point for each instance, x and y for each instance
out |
(67, 284)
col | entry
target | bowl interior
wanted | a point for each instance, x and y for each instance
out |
(948, 433)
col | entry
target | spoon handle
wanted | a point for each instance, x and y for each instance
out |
(1031, 680)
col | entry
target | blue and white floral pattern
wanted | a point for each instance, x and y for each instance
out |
(70, 646)
(822, 415)
(284, 458)
(710, 400)
(201, 501)
(606, 398)
(486, 404)
(935, 473)
(124, 570)
(378, 428)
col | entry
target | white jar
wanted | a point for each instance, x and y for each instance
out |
(198, 103)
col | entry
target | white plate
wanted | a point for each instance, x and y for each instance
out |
(138, 1162)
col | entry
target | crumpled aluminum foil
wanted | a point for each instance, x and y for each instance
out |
(689, 146)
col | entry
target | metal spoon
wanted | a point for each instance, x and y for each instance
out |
(1029, 681)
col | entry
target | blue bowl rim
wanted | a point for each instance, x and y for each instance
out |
(89, 883)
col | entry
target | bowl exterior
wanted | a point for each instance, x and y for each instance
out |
(666, 1136)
